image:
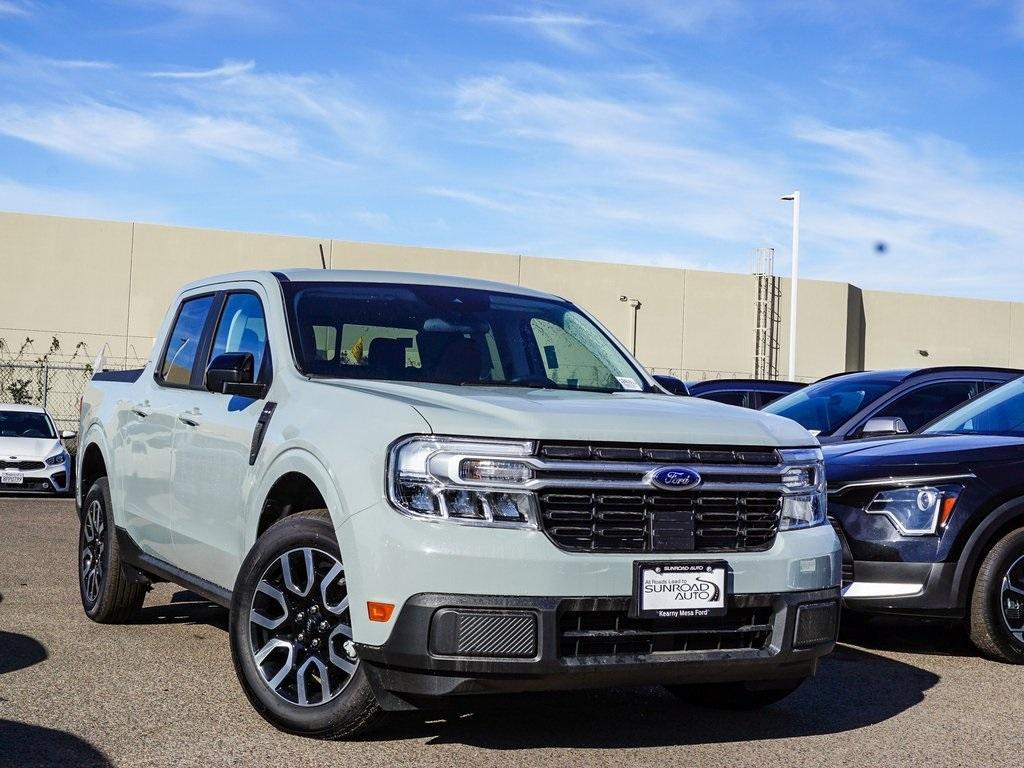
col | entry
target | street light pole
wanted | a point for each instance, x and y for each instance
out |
(793, 281)
(635, 305)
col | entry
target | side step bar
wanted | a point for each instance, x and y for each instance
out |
(133, 555)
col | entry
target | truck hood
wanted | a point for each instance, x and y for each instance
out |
(28, 447)
(547, 414)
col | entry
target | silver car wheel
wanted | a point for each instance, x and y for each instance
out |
(300, 627)
(1011, 599)
(91, 556)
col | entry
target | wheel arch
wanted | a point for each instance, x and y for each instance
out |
(93, 464)
(1006, 517)
(296, 481)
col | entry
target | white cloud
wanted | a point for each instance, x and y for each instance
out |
(227, 69)
(12, 9)
(469, 198)
(564, 29)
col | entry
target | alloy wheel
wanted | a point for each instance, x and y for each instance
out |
(1011, 599)
(93, 544)
(300, 627)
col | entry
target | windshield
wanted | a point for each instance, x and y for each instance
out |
(825, 406)
(443, 335)
(25, 424)
(998, 412)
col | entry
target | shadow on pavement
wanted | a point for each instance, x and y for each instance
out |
(853, 689)
(906, 635)
(31, 745)
(185, 608)
(19, 651)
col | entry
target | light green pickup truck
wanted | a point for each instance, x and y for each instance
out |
(408, 487)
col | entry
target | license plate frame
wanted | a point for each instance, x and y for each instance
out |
(703, 602)
(11, 478)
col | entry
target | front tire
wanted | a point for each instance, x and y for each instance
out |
(735, 696)
(110, 593)
(997, 601)
(291, 635)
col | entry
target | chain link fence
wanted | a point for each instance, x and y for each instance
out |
(56, 386)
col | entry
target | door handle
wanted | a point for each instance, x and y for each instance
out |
(140, 413)
(188, 418)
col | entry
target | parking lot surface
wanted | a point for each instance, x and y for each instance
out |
(162, 691)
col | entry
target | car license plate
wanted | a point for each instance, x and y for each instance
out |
(14, 478)
(692, 589)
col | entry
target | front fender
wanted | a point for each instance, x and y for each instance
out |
(1008, 515)
(303, 461)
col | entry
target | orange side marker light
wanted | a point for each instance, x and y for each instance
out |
(380, 611)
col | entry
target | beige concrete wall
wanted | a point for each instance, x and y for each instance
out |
(165, 258)
(346, 254)
(110, 283)
(952, 331)
(822, 329)
(45, 261)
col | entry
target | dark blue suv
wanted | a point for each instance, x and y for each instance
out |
(933, 524)
(849, 406)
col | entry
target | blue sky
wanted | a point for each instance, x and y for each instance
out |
(637, 131)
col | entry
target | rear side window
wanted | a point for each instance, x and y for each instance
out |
(926, 403)
(242, 328)
(183, 343)
(729, 397)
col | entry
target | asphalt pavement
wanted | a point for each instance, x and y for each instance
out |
(162, 691)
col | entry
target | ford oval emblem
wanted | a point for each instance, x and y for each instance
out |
(674, 478)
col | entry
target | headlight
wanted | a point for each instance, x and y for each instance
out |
(803, 482)
(471, 482)
(56, 459)
(916, 511)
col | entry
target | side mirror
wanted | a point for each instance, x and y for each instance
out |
(884, 425)
(232, 374)
(68, 434)
(673, 385)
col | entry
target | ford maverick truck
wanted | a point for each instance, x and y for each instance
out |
(407, 488)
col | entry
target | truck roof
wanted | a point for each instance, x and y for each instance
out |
(368, 276)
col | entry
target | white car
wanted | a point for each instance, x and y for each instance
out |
(32, 454)
(408, 487)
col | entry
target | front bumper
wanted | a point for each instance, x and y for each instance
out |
(909, 589)
(52, 479)
(389, 558)
(516, 644)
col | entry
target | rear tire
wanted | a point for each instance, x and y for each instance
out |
(110, 592)
(996, 620)
(291, 636)
(735, 696)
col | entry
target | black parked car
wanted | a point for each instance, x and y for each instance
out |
(849, 406)
(933, 524)
(749, 393)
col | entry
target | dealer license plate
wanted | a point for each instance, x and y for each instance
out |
(693, 589)
(14, 478)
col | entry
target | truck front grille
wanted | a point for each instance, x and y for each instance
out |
(614, 633)
(595, 498)
(584, 520)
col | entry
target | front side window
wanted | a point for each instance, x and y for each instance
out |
(25, 424)
(242, 328)
(183, 343)
(827, 405)
(443, 335)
